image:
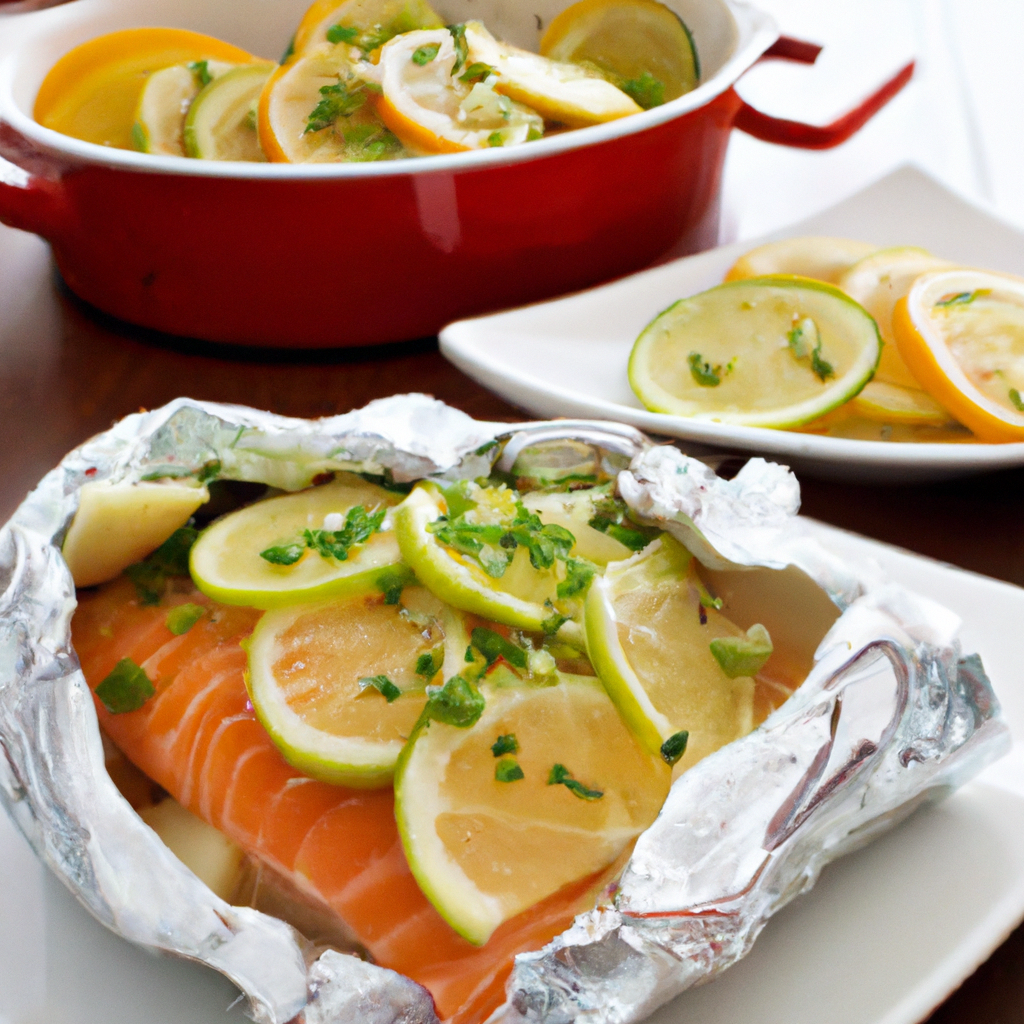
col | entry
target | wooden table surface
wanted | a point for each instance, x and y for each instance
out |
(67, 372)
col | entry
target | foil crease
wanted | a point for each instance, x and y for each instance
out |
(891, 715)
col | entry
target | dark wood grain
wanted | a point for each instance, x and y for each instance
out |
(67, 372)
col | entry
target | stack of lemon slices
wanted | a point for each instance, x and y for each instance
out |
(835, 336)
(528, 668)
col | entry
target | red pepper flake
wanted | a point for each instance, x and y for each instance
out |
(322, 478)
(91, 471)
(703, 614)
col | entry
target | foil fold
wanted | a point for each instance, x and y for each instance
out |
(892, 715)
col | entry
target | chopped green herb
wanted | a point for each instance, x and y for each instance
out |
(283, 554)
(183, 617)
(533, 134)
(822, 367)
(391, 583)
(428, 664)
(170, 559)
(495, 139)
(461, 47)
(743, 655)
(646, 90)
(494, 646)
(140, 140)
(561, 776)
(201, 71)
(457, 703)
(706, 375)
(1018, 403)
(674, 747)
(127, 688)
(486, 447)
(342, 34)
(289, 51)
(425, 54)
(505, 744)
(553, 623)
(579, 573)
(706, 600)
(476, 72)
(208, 471)
(962, 298)
(359, 526)
(335, 101)
(508, 770)
(382, 685)
(805, 343)
(611, 516)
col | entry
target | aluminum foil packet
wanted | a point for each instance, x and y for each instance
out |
(891, 715)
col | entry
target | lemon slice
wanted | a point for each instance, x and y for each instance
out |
(889, 403)
(339, 685)
(652, 640)
(643, 46)
(765, 352)
(221, 123)
(317, 109)
(563, 92)
(366, 24)
(164, 103)
(824, 259)
(259, 556)
(436, 101)
(93, 92)
(578, 789)
(961, 332)
(877, 282)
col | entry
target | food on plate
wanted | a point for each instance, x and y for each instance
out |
(766, 351)
(367, 80)
(437, 633)
(944, 373)
(961, 332)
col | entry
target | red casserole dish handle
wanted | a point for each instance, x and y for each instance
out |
(784, 132)
(28, 201)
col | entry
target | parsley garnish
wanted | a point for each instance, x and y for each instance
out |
(611, 516)
(579, 573)
(283, 554)
(183, 617)
(962, 298)
(127, 688)
(457, 703)
(822, 367)
(201, 70)
(289, 51)
(391, 583)
(494, 646)
(505, 744)
(365, 143)
(805, 342)
(674, 747)
(706, 375)
(359, 526)
(534, 134)
(1018, 402)
(382, 685)
(342, 34)
(743, 655)
(508, 770)
(486, 447)
(646, 90)
(425, 54)
(554, 622)
(461, 48)
(476, 72)
(495, 139)
(561, 776)
(335, 101)
(428, 664)
(170, 559)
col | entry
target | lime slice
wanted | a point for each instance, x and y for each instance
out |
(577, 790)
(339, 685)
(890, 403)
(824, 259)
(221, 123)
(643, 46)
(762, 352)
(165, 100)
(657, 647)
(259, 556)
(521, 596)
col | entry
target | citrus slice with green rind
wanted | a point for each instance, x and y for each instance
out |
(824, 259)
(764, 352)
(221, 123)
(366, 24)
(890, 403)
(547, 787)
(339, 685)
(261, 555)
(655, 639)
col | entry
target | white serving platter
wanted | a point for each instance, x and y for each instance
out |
(567, 357)
(885, 935)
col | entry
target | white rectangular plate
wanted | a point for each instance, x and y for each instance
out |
(568, 357)
(885, 936)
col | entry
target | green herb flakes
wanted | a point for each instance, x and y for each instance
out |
(476, 72)
(335, 101)
(283, 554)
(1018, 402)
(428, 664)
(183, 617)
(495, 139)
(508, 770)
(561, 776)
(505, 744)
(611, 516)
(382, 685)
(962, 298)
(674, 747)
(170, 559)
(494, 646)
(127, 688)
(579, 572)
(646, 90)
(743, 655)
(461, 47)
(457, 703)
(805, 343)
(201, 72)
(391, 583)
(706, 375)
(342, 34)
(425, 54)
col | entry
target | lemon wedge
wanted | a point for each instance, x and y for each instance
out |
(890, 403)
(824, 259)
(339, 685)
(877, 282)
(317, 109)
(670, 661)
(961, 332)
(641, 45)
(544, 787)
(366, 24)
(221, 123)
(325, 541)
(765, 351)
